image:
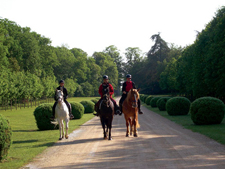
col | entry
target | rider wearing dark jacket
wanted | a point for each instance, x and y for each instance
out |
(111, 92)
(125, 89)
(65, 95)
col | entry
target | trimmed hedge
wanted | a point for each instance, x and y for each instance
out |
(77, 110)
(42, 116)
(94, 100)
(178, 106)
(148, 100)
(5, 137)
(154, 101)
(145, 97)
(207, 110)
(89, 106)
(161, 103)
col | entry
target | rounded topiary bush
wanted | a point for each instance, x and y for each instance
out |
(178, 106)
(77, 110)
(154, 101)
(148, 100)
(5, 137)
(94, 101)
(42, 116)
(89, 106)
(145, 97)
(207, 110)
(161, 103)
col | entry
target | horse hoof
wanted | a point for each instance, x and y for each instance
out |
(105, 138)
(60, 138)
(110, 138)
(135, 135)
(127, 135)
(67, 137)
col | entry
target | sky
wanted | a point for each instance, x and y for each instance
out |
(93, 25)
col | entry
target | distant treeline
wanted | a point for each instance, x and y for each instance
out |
(31, 67)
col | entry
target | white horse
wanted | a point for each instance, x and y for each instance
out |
(62, 114)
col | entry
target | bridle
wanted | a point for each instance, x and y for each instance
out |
(134, 102)
(59, 98)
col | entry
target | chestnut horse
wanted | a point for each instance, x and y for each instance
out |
(130, 111)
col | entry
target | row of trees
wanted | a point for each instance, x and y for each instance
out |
(200, 70)
(31, 68)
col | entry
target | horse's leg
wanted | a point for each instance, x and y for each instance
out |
(127, 124)
(110, 127)
(131, 126)
(67, 126)
(103, 126)
(63, 133)
(135, 126)
(60, 129)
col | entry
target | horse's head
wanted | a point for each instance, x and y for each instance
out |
(133, 97)
(105, 91)
(59, 95)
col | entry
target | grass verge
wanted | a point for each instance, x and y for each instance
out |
(215, 132)
(28, 141)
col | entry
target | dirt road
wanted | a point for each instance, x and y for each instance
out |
(161, 144)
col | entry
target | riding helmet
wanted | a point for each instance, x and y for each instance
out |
(105, 77)
(61, 81)
(128, 76)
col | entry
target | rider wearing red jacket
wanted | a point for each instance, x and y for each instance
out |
(126, 88)
(111, 92)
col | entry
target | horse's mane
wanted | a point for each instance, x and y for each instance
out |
(129, 94)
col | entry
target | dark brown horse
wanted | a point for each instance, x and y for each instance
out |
(106, 112)
(130, 111)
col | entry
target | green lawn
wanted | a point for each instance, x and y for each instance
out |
(28, 141)
(216, 132)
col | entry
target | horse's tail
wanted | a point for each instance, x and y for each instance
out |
(55, 122)
(137, 123)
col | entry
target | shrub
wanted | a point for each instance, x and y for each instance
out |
(89, 106)
(148, 100)
(94, 101)
(144, 97)
(178, 106)
(42, 116)
(5, 137)
(154, 101)
(161, 103)
(207, 110)
(77, 110)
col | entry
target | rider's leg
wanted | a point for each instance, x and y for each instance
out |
(70, 112)
(53, 111)
(116, 107)
(97, 107)
(139, 107)
(122, 100)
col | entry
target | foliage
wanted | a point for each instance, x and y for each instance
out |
(42, 116)
(88, 106)
(178, 106)
(161, 103)
(77, 110)
(207, 110)
(148, 100)
(5, 137)
(145, 97)
(154, 101)
(94, 101)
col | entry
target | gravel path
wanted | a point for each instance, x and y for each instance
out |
(161, 144)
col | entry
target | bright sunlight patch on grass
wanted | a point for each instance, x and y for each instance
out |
(216, 131)
(28, 141)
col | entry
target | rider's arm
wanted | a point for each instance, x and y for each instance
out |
(100, 90)
(65, 94)
(111, 90)
(124, 88)
(134, 87)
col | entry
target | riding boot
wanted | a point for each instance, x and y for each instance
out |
(121, 109)
(139, 107)
(53, 112)
(96, 110)
(70, 113)
(116, 109)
